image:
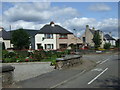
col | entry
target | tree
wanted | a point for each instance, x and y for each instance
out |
(3, 46)
(107, 46)
(97, 39)
(20, 39)
(117, 43)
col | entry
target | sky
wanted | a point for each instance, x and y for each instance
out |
(70, 15)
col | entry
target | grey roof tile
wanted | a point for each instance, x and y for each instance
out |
(54, 30)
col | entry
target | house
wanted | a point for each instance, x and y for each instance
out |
(53, 37)
(109, 39)
(88, 35)
(5, 38)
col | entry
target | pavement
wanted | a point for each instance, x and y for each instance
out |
(95, 72)
(29, 70)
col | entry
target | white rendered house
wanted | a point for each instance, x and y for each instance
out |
(52, 37)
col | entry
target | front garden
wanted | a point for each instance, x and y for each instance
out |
(10, 56)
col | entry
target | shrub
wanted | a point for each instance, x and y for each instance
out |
(9, 60)
(37, 56)
(9, 55)
(107, 46)
(22, 53)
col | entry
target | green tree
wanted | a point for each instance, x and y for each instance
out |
(117, 43)
(97, 39)
(3, 46)
(107, 46)
(20, 39)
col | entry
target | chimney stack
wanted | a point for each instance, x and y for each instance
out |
(1, 28)
(93, 28)
(87, 27)
(52, 24)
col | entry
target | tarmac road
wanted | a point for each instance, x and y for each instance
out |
(105, 74)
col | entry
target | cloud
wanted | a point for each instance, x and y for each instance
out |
(38, 12)
(106, 25)
(99, 7)
(36, 15)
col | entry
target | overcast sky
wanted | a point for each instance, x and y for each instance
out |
(70, 15)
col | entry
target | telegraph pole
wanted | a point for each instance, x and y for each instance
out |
(10, 36)
(76, 38)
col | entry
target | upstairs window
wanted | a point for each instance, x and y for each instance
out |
(63, 36)
(48, 36)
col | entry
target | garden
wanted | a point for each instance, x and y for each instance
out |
(12, 56)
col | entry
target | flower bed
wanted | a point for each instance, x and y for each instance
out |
(31, 56)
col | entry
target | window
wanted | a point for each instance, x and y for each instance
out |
(63, 36)
(49, 36)
(62, 46)
(49, 46)
(39, 46)
(84, 39)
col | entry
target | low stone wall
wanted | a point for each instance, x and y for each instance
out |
(68, 61)
(7, 75)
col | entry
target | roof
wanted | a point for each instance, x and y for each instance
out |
(56, 29)
(31, 32)
(108, 37)
(93, 31)
(5, 34)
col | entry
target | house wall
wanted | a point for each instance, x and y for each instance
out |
(89, 37)
(112, 42)
(38, 40)
(71, 39)
(102, 37)
(7, 43)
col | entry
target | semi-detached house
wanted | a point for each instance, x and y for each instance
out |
(53, 37)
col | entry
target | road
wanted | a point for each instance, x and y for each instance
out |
(105, 74)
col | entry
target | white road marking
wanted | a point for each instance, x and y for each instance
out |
(97, 76)
(98, 61)
(68, 79)
(97, 69)
(104, 61)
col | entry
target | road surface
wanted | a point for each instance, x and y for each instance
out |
(105, 74)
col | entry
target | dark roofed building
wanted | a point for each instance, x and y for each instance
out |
(53, 37)
(108, 37)
(55, 29)
(4, 38)
(5, 34)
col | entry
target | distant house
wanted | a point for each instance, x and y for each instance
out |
(53, 37)
(109, 39)
(5, 38)
(88, 35)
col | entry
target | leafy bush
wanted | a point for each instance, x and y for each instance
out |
(107, 46)
(37, 56)
(53, 62)
(22, 53)
(9, 54)
(9, 60)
